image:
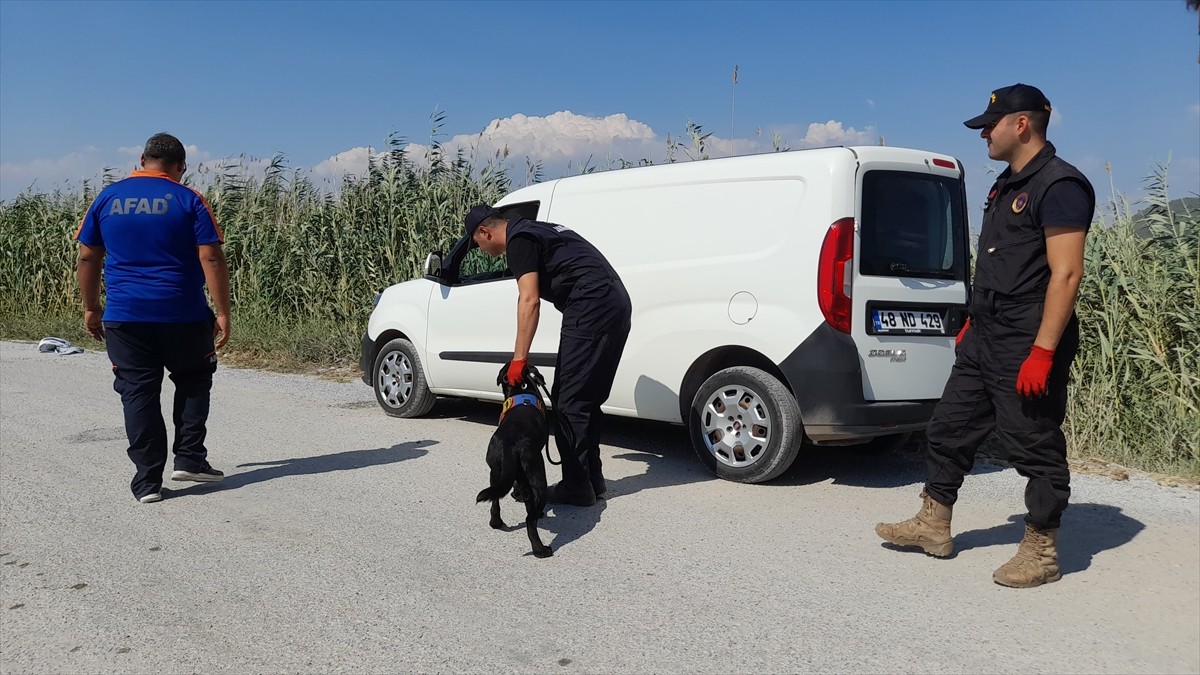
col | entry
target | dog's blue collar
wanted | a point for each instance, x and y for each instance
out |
(520, 399)
(525, 399)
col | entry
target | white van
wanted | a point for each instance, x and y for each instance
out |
(810, 295)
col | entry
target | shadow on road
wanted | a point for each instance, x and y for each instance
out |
(301, 466)
(861, 467)
(570, 523)
(466, 409)
(663, 450)
(667, 452)
(1087, 530)
(674, 466)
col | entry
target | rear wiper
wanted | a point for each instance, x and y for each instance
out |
(937, 274)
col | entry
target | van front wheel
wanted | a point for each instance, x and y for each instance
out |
(399, 380)
(745, 425)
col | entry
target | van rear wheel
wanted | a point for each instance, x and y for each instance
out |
(745, 425)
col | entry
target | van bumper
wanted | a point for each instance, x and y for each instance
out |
(366, 361)
(825, 375)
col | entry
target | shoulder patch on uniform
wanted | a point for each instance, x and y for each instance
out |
(1020, 202)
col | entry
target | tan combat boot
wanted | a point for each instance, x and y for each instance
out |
(929, 529)
(1035, 563)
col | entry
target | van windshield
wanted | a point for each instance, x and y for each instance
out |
(913, 225)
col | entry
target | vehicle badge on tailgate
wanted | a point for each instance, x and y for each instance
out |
(895, 355)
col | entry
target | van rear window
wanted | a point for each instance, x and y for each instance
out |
(913, 225)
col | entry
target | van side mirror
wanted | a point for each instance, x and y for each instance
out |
(433, 264)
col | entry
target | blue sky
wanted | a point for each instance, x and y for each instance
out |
(82, 85)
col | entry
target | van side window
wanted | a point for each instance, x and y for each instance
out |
(912, 226)
(478, 266)
(467, 264)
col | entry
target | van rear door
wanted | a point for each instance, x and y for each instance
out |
(910, 275)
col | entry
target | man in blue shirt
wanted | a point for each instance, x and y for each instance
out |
(159, 244)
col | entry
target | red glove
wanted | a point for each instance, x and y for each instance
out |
(962, 332)
(1031, 381)
(516, 371)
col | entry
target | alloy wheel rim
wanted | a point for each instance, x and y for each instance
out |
(736, 426)
(395, 379)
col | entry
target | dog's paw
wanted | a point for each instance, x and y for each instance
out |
(498, 524)
(545, 552)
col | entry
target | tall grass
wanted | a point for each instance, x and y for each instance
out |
(1136, 382)
(306, 263)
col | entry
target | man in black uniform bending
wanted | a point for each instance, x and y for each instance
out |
(552, 262)
(1015, 351)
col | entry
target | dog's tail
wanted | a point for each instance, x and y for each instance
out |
(489, 493)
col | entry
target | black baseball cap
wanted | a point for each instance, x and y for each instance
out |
(477, 215)
(1007, 100)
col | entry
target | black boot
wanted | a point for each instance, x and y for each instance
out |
(597, 478)
(574, 493)
(598, 486)
(575, 488)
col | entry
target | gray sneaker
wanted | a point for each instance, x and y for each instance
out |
(151, 498)
(206, 474)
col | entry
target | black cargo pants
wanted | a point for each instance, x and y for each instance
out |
(594, 330)
(981, 396)
(139, 352)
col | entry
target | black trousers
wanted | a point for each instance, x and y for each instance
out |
(589, 351)
(139, 352)
(981, 397)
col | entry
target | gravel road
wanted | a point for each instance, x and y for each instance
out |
(345, 540)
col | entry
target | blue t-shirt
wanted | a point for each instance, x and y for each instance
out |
(150, 226)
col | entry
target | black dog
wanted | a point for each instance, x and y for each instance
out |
(515, 455)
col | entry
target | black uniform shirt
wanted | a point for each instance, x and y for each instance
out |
(522, 256)
(1047, 192)
(1066, 204)
(569, 268)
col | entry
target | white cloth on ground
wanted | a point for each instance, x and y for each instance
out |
(58, 346)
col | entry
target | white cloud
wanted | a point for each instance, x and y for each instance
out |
(353, 161)
(1056, 117)
(833, 133)
(89, 164)
(1194, 110)
(194, 154)
(560, 138)
(563, 142)
(870, 103)
(64, 172)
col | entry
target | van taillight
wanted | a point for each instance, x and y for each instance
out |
(836, 251)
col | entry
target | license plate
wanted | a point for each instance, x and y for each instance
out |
(907, 322)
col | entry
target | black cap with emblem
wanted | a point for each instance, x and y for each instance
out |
(1008, 100)
(477, 215)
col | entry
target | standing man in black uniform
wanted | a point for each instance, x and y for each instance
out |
(1015, 351)
(551, 261)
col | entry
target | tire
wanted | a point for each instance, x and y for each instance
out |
(398, 379)
(745, 425)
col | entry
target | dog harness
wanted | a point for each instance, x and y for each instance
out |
(521, 399)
